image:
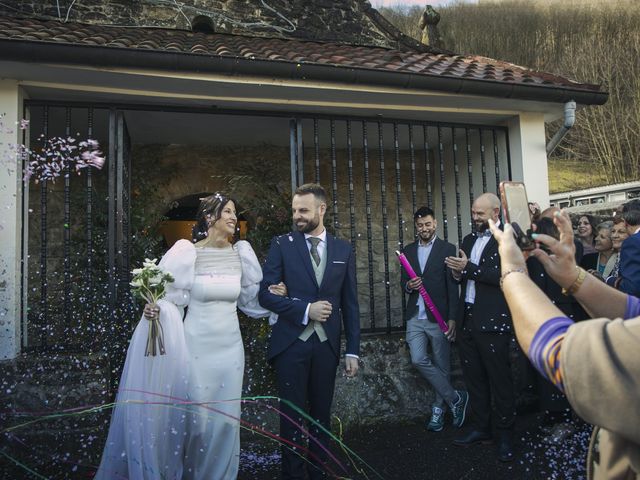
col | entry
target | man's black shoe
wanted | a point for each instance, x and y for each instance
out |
(505, 449)
(473, 437)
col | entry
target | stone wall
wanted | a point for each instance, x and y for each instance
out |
(387, 388)
(342, 21)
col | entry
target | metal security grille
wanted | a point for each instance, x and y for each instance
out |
(78, 230)
(378, 173)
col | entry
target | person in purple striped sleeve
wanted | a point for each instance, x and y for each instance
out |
(595, 362)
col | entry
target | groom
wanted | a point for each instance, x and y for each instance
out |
(319, 272)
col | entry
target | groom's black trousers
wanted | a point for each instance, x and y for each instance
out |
(306, 374)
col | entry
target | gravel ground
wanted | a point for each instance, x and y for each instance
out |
(393, 451)
(409, 452)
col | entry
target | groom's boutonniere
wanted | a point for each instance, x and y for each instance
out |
(149, 284)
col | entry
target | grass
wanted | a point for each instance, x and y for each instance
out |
(566, 175)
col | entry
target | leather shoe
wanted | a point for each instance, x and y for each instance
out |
(505, 449)
(473, 437)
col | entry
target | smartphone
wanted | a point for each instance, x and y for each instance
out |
(515, 210)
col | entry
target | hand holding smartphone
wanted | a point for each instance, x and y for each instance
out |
(515, 210)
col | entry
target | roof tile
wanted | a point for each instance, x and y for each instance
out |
(277, 49)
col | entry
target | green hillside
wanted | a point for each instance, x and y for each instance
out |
(566, 175)
(588, 41)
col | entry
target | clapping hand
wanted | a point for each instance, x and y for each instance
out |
(457, 264)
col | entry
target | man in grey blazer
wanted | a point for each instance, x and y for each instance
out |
(426, 256)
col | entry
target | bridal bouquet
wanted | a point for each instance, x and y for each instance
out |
(149, 284)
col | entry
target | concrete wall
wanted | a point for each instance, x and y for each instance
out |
(529, 157)
(10, 220)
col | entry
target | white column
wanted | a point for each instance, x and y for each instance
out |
(10, 221)
(529, 156)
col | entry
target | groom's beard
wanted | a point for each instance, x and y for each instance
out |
(305, 226)
(481, 227)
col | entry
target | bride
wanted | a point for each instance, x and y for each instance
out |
(177, 415)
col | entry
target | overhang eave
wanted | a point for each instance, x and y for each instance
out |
(97, 56)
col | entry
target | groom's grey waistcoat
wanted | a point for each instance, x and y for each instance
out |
(314, 326)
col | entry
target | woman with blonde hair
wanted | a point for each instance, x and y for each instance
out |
(619, 234)
(601, 262)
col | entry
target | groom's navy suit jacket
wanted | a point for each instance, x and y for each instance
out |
(289, 262)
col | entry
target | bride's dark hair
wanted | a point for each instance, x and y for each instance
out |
(209, 212)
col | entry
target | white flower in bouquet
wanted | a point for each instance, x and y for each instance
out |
(150, 263)
(149, 284)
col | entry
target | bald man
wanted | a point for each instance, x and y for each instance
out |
(485, 331)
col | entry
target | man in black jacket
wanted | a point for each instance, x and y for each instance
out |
(485, 331)
(426, 256)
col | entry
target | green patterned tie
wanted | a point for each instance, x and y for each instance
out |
(314, 241)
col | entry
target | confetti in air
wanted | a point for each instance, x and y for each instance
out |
(54, 157)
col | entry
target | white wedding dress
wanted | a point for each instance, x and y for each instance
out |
(204, 363)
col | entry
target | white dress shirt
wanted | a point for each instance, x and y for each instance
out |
(424, 251)
(476, 254)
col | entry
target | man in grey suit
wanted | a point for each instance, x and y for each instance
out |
(426, 256)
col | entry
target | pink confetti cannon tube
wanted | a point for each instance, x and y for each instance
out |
(423, 293)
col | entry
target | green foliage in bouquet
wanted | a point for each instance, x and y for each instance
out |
(149, 282)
